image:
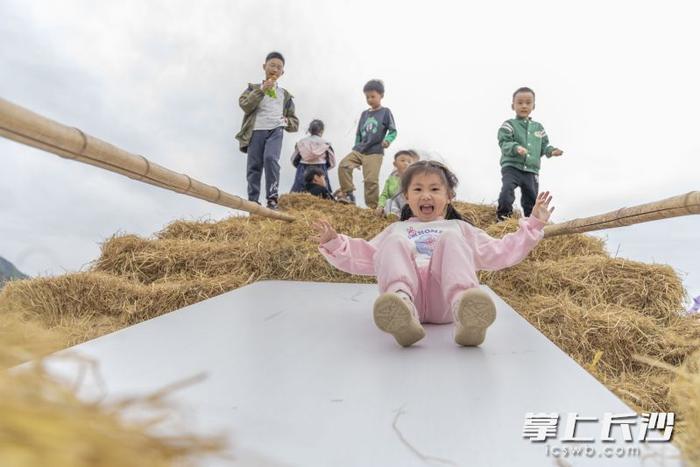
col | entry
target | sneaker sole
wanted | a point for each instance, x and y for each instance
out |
(475, 313)
(393, 315)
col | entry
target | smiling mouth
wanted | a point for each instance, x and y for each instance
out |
(427, 208)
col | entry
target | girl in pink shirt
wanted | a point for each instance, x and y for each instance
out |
(426, 264)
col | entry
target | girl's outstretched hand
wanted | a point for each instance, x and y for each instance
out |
(325, 231)
(542, 211)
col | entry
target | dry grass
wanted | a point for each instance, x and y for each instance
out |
(685, 395)
(600, 310)
(43, 422)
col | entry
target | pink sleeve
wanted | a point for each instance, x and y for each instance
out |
(353, 255)
(491, 254)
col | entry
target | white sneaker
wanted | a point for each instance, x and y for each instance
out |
(474, 312)
(396, 314)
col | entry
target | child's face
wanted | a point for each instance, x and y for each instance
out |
(402, 162)
(274, 68)
(523, 104)
(427, 196)
(374, 99)
(319, 180)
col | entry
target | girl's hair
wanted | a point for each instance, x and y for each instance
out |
(316, 127)
(407, 152)
(430, 167)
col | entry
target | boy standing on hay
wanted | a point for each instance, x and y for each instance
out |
(375, 132)
(268, 109)
(523, 142)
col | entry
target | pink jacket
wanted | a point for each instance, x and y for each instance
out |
(314, 150)
(356, 255)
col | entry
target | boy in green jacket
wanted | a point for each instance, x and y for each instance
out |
(523, 142)
(392, 186)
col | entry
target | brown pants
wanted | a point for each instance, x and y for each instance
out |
(370, 163)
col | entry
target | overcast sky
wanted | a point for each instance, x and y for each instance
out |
(616, 84)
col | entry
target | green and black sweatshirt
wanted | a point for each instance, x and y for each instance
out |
(529, 134)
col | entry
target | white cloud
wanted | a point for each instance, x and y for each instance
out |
(616, 88)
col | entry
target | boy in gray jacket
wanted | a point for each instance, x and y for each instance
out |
(268, 109)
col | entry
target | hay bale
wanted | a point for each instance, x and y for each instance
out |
(653, 290)
(615, 331)
(147, 261)
(43, 422)
(600, 310)
(85, 305)
(479, 215)
(226, 230)
(685, 394)
(262, 248)
(22, 339)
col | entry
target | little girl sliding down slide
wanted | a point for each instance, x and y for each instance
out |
(426, 264)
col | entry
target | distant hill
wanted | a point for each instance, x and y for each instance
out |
(9, 271)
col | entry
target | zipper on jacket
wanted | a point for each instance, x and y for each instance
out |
(527, 132)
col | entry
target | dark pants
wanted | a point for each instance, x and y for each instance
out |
(299, 182)
(264, 153)
(510, 179)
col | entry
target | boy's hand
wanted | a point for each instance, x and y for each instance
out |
(325, 231)
(541, 210)
(521, 150)
(557, 152)
(385, 144)
(268, 84)
(379, 211)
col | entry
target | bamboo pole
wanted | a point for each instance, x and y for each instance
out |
(681, 205)
(26, 127)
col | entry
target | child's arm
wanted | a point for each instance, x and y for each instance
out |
(352, 255)
(290, 115)
(547, 149)
(391, 130)
(492, 254)
(506, 140)
(250, 99)
(358, 133)
(385, 195)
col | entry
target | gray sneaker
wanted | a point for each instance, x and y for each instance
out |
(397, 316)
(474, 312)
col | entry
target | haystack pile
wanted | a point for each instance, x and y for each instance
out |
(600, 310)
(43, 422)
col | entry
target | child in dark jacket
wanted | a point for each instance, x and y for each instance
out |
(315, 180)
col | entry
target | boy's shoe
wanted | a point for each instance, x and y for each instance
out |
(474, 311)
(346, 198)
(272, 204)
(397, 315)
